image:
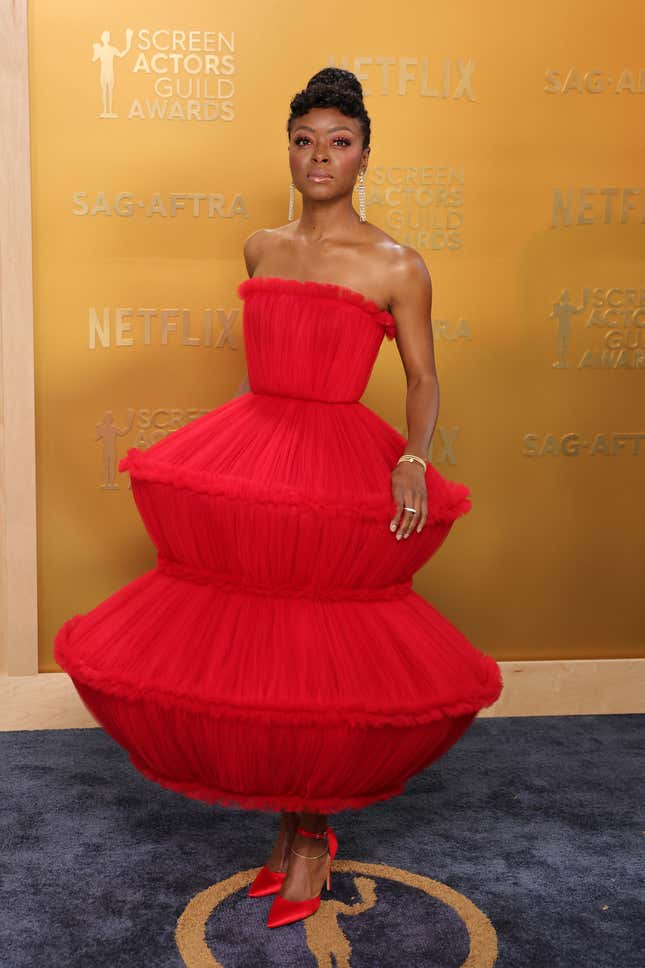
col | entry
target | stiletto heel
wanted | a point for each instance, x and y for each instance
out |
(333, 847)
(284, 911)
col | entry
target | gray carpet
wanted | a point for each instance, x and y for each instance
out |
(523, 845)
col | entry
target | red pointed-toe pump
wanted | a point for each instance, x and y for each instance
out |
(266, 882)
(284, 911)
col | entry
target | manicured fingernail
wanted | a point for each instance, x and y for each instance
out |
(399, 536)
(392, 525)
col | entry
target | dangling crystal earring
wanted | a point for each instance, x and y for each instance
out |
(361, 197)
(292, 199)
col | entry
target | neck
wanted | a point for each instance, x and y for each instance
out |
(324, 221)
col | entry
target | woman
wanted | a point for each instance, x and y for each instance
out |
(277, 657)
(329, 146)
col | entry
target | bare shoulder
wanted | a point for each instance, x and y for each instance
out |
(258, 244)
(409, 278)
(254, 246)
(407, 275)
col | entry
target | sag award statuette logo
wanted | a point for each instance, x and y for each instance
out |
(612, 324)
(375, 888)
(172, 74)
(105, 53)
(562, 312)
(149, 425)
(107, 432)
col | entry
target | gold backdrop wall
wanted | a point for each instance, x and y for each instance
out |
(507, 147)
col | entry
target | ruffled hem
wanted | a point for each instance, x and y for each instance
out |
(268, 802)
(326, 290)
(443, 508)
(218, 707)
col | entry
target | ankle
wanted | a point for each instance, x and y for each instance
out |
(289, 822)
(315, 823)
(308, 847)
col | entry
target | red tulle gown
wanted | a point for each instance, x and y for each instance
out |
(276, 656)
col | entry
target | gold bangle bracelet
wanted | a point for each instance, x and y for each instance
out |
(413, 457)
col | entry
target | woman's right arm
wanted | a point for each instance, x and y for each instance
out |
(252, 250)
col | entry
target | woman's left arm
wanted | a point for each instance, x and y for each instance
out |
(411, 306)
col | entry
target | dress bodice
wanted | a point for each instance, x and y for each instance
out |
(311, 340)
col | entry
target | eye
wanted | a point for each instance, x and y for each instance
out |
(301, 137)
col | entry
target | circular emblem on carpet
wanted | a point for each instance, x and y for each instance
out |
(375, 914)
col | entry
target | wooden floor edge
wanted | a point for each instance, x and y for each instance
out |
(559, 687)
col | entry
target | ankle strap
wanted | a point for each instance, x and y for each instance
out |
(310, 833)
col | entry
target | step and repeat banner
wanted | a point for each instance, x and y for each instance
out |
(507, 148)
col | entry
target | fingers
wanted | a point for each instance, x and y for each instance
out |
(424, 514)
(406, 525)
(404, 521)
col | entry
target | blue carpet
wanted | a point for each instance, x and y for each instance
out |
(521, 847)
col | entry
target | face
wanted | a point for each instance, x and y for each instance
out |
(325, 140)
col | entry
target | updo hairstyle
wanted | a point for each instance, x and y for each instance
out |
(332, 87)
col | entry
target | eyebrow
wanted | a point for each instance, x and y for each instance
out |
(338, 127)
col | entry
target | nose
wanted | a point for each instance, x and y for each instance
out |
(320, 154)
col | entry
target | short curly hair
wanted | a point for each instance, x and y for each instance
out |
(332, 87)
